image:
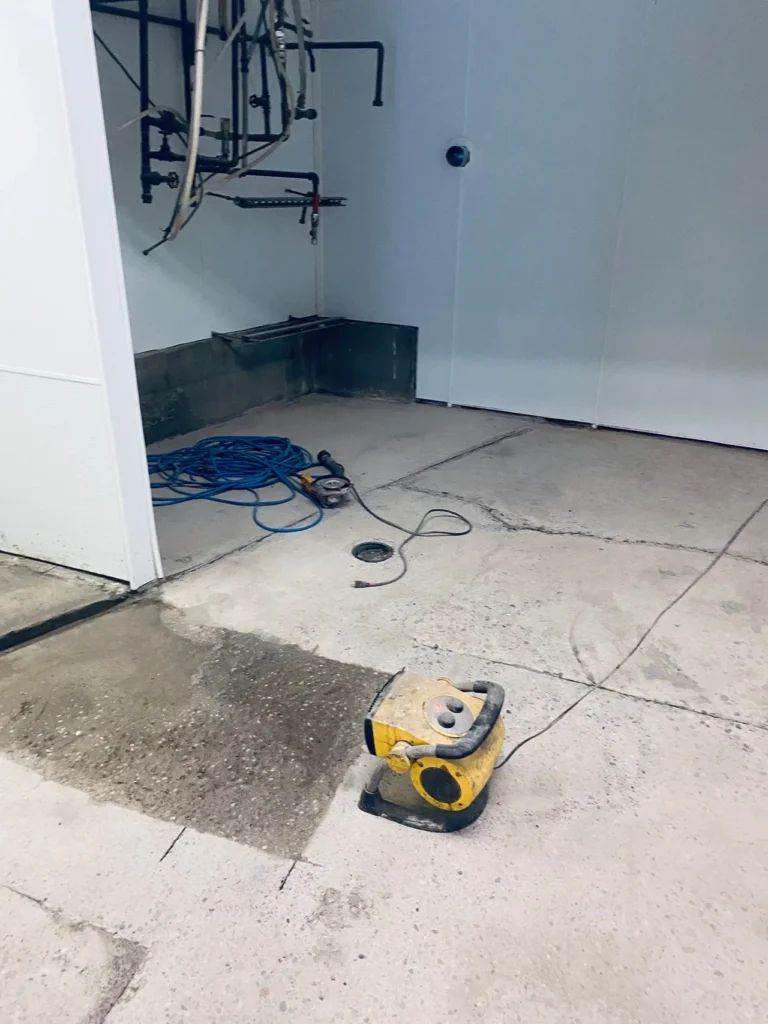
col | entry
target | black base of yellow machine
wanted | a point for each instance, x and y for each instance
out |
(426, 818)
(437, 744)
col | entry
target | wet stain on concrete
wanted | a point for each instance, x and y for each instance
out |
(733, 607)
(660, 666)
(221, 731)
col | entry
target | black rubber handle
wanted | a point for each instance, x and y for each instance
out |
(481, 727)
(326, 460)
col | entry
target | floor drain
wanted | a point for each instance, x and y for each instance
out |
(372, 551)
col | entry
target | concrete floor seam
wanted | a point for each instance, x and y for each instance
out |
(453, 458)
(132, 954)
(591, 686)
(559, 677)
(687, 589)
(173, 843)
(511, 527)
(287, 875)
(26, 896)
(595, 686)
(729, 720)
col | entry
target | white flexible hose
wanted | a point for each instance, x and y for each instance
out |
(201, 29)
(302, 48)
(280, 69)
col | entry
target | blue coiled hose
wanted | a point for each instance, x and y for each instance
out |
(217, 465)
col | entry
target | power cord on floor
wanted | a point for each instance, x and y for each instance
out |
(644, 636)
(444, 513)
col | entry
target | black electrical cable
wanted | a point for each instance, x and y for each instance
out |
(195, 207)
(130, 78)
(261, 23)
(445, 513)
(549, 725)
(117, 61)
(599, 684)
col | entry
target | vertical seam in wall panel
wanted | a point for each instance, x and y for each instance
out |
(622, 204)
(460, 204)
(317, 158)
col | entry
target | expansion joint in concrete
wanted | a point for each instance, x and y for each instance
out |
(173, 843)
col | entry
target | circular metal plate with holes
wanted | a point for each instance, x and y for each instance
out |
(449, 715)
(373, 551)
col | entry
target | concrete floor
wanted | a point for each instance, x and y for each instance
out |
(35, 596)
(179, 836)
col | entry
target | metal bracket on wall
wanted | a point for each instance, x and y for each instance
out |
(306, 201)
(287, 328)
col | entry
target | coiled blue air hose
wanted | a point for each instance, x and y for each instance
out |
(217, 465)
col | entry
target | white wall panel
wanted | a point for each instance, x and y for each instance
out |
(60, 482)
(74, 482)
(552, 84)
(602, 258)
(687, 342)
(43, 251)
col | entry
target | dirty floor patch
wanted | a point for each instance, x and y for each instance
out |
(222, 731)
(55, 969)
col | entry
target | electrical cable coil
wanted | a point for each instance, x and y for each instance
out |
(217, 465)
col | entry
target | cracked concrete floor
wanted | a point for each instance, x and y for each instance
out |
(620, 872)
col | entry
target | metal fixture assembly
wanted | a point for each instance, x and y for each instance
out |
(256, 36)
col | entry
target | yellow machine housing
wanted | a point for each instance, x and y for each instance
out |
(419, 727)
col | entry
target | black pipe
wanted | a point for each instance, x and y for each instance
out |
(101, 7)
(244, 87)
(186, 57)
(257, 172)
(146, 170)
(234, 64)
(370, 45)
(285, 110)
(266, 103)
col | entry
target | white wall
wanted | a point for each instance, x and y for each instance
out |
(687, 336)
(505, 266)
(74, 483)
(602, 257)
(230, 268)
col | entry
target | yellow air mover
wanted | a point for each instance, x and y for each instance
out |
(438, 742)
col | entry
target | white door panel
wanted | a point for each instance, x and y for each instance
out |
(687, 340)
(552, 84)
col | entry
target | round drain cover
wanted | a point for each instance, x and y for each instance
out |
(373, 551)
